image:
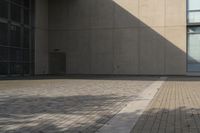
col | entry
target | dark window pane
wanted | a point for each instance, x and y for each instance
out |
(194, 29)
(3, 68)
(3, 33)
(3, 54)
(20, 2)
(16, 68)
(26, 68)
(26, 17)
(26, 3)
(15, 35)
(15, 54)
(3, 9)
(26, 55)
(26, 38)
(16, 13)
(32, 55)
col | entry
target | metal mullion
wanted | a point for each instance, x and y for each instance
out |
(193, 10)
(8, 36)
(30, 38)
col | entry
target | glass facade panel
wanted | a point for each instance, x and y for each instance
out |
(193, 11)
(26, 38)
(16, 46)
(194, 52)
(16, 68)
(15, 35)
(26, 56)
(194, 17)
(26, 68)
(3, 54)
(16, 55)
(3, 9)
(3, 68)
(194, 5)
(20, 2)
(26, 3)
(15, 13)
(194, 30)
(26, 16)
(3, 33)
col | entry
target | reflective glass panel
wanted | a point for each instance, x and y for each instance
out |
(194, 30)
(3, 33)
(3, 68)
(16, 68)
(194, 17)
(16, 13)
(3, 53)
(26, 17)
(15, 35)
(3, 9)
(194, 52)
(194, 4)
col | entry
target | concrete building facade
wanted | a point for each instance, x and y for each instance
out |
(131, 37)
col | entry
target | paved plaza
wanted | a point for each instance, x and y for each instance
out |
(65, 105)
(175, 108)
(88, 105)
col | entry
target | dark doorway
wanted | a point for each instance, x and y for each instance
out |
(57, 63)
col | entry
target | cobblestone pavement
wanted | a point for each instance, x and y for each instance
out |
(64, 105)
(175, 108)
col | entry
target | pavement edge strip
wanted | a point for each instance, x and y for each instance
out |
(125, 120)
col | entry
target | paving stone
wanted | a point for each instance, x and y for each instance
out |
(175, 108)
(65, 105)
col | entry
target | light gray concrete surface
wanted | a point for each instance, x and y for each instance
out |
(65, 105)
(146, 37)
(124, 121)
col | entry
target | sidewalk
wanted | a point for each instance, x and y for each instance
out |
(175, 108)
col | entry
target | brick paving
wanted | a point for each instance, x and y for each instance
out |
(64, 105)
(175, 108)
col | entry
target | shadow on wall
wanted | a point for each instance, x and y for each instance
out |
(107, 37)
(82, 114)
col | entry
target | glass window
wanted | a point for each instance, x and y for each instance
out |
(3, 68)
(16, 49)
(194, 17)
(3, 9)
(17, 1)
(194, 48)
(16, 68)
(26, 68)
(194, 29)
(26, 3)
(26, 16)
(15, 35)
(15, 13)
(194, 4)
(26, 38)
(3, 33)
(26, 55)
(193, 52)
(16, 54)
(3, 54)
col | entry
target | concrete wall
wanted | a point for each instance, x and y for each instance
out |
(120, 36)
(41, 36)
